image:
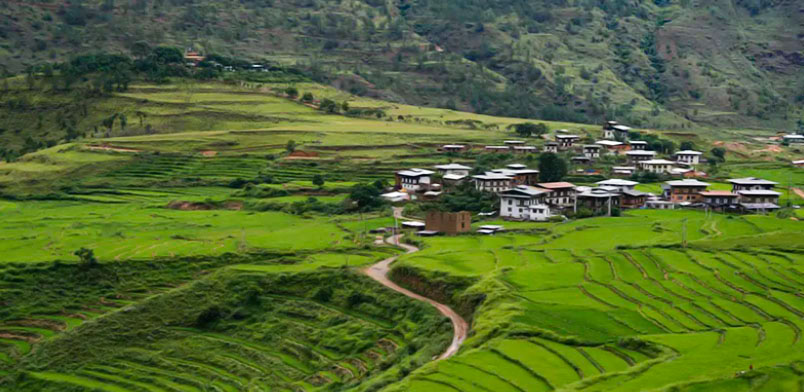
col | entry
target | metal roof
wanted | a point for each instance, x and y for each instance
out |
(415, 172)
(751, 181)
(617, 182)
(687, 182)
(453, 166)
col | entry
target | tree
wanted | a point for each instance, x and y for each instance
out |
(308, 97)
(529, 129)
(87, 256)
(345, 106)
(292, 92)
(719, 153)
(328, 106)
(318, 180)
(686, 146)
(552, 167)
(366, 197)
(291, 146)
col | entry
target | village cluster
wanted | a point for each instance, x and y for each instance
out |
(523, 198)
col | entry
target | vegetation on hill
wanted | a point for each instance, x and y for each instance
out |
(668, 63)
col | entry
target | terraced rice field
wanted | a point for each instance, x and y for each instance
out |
(594, 318)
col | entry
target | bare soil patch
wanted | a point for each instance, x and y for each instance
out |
(203, 206)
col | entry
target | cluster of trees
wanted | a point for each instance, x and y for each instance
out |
(655, 143)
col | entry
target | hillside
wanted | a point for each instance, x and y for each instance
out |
(667, 64)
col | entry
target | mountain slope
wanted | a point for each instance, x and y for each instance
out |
(663, 63)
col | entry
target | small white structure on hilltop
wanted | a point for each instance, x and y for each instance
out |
(688, 157)
(524, 202)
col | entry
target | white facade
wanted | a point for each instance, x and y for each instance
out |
(551, 147)
(454, 169)
(658, 166)
(635, 156)
(414, 180)
(516, 203)
(592, 151)
(689, 157)
(539, 213)
(491, 182)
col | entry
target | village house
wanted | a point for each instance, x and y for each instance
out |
(638, 145)
(192, 58)
(514, 142)
(636, 156)
(566, 141)
(525, 149)
(759, 200)
(613, 147)
(516, 203)
(751, 184)
(450, 223)
(657, 166)
(792, 139)
(613, 130)
(684, 191)
(599, 200)
(492, 182)
(519, 174)
(453, 180)
(623, 170)
(497, 148)
(551, 147)
(453, 168)
(658, 204)
(630, 198)
(592, 151)
(720, 200)
(620, 185)
(688, 157)
(562, 194)
(414, 180)
(396, 197)
(581, 160)
(453, 148)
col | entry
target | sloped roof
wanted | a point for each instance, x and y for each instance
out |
(687, 182)
(415, 172)
(555, 185)
(453, 166)
(617, 182)
(751, 181)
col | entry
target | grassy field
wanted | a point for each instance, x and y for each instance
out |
(204, 283)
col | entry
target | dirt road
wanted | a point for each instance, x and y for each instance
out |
(799, 192)
(379, 272)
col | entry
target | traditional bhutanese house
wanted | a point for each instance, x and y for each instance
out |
(581, 160)
(453, 168)
(492, 182)
(450, 223)
(751, 184)
(612, 147)
(613, 130)
(684, 191)
(760, 200)
(630, 198)
(514, 142)
(451, 180)
(453, 148)
(638, 145)
(657, 166)
(396, 197)
(515, 203)
(720, 200)
(623, 170)
(688, 157)
(608, 129)
(562, 194)
(498, 148)
(551, 147)
(519, 174)
(791, 139)
(414, 180)
(525, 149)
(599, 200)
(636, 156)
(621, 185)
(592, 151)
(566, 141)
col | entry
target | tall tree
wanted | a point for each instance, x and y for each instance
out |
(552, 167)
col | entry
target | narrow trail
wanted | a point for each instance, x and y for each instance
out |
(379, 272)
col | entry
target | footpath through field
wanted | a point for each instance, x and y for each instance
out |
(379, 272)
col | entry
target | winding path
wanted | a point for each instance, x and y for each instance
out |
(379, 272)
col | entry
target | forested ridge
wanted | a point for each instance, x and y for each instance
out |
(661, 63)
